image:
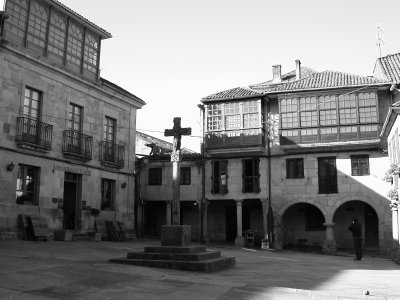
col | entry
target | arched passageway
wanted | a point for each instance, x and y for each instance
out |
(302, 225)
(367, 217)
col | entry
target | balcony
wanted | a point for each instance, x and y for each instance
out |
(241, 139)
(112, 155)
(77, 145)
(34, 134)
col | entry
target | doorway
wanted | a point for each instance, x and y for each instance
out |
(71, 207)
(371, 226)
(230, 223)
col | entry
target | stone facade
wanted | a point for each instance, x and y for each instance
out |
(22, 70)
(293, 209)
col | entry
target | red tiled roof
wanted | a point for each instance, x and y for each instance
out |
(315, 81)
(326, 80)
(239, 92)
(391, 66)
(291, 76)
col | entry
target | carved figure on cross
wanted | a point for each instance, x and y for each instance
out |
(177, 133)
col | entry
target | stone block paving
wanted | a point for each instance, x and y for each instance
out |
(80, 270)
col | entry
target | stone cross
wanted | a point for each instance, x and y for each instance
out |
(177, 133)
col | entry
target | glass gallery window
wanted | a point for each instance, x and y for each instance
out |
(329, 117)
(233, 115)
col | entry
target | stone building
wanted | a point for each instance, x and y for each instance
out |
(295, 158)
(154, 186)
(67, 135)
(389, 67)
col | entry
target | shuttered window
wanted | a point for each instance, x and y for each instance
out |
(327, 175)
(251, 175)
(219, 177)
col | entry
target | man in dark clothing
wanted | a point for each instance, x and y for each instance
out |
(355, 229)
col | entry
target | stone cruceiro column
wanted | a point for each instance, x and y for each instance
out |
(329, 245)
(239, 240)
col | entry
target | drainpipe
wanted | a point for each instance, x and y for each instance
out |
(202, 237)
(270, 220)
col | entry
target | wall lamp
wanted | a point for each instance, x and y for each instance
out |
(10, 167)
(123, 185)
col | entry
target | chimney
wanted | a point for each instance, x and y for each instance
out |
(298, 69)
(276, 74)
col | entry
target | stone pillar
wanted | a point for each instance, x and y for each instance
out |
(205, 210)
(239, 241)
(264, 203)
(398, 233)
(168, 213)
(395, 228)
(329, 245)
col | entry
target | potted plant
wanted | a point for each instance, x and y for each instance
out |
(393, 194)
(393, 170)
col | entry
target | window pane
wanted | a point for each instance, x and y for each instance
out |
(327, 117)
(308, 118)
(232, 122)
(250, 107)
(250, 120)
(232, 108)
(107, 194)
(348, 116)
(289, 120)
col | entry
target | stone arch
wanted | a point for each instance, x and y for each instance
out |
(302, 225)
(368, 217)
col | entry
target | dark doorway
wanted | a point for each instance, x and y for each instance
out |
(71, 205)
(154, 216)
(230, 223)
(371, 226)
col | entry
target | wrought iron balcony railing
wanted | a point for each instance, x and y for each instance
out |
(112, 155)
(33, 133)
(77, 145)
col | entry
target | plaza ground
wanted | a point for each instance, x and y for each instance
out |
(80, 270)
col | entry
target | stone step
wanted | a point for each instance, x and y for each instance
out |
(210, 265)
(174, 249)
(175, 256)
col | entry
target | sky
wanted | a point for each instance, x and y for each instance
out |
(173, 53)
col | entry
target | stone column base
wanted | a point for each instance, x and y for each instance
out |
(329, 246)
(175, 235)
(239, 241)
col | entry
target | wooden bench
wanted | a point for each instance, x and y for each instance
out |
(39, 227)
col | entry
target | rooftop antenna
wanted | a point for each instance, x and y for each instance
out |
(379, 38)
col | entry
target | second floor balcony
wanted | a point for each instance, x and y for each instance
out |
(112, 155)
(34, 134)
(77, 145)
(240, 138)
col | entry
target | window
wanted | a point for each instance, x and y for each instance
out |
(327, 175)
(294, 168)
(214, 117)
(251, 175)
(37, 28)
(359, 165)
(31, 104)
(185, 176)
(339, 117)
(219, 177)
(74, 47)
(75, 117)
(90, 53)
(27, 185)
(155, 176)
(57, 32)
(107, 194)
(234, 115)
(18, 13)
(109, 130)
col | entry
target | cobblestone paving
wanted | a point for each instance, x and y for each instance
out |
(80, 270)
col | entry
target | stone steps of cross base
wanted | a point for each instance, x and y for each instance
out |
(174, 249)
(211, 265)
(207, 255)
